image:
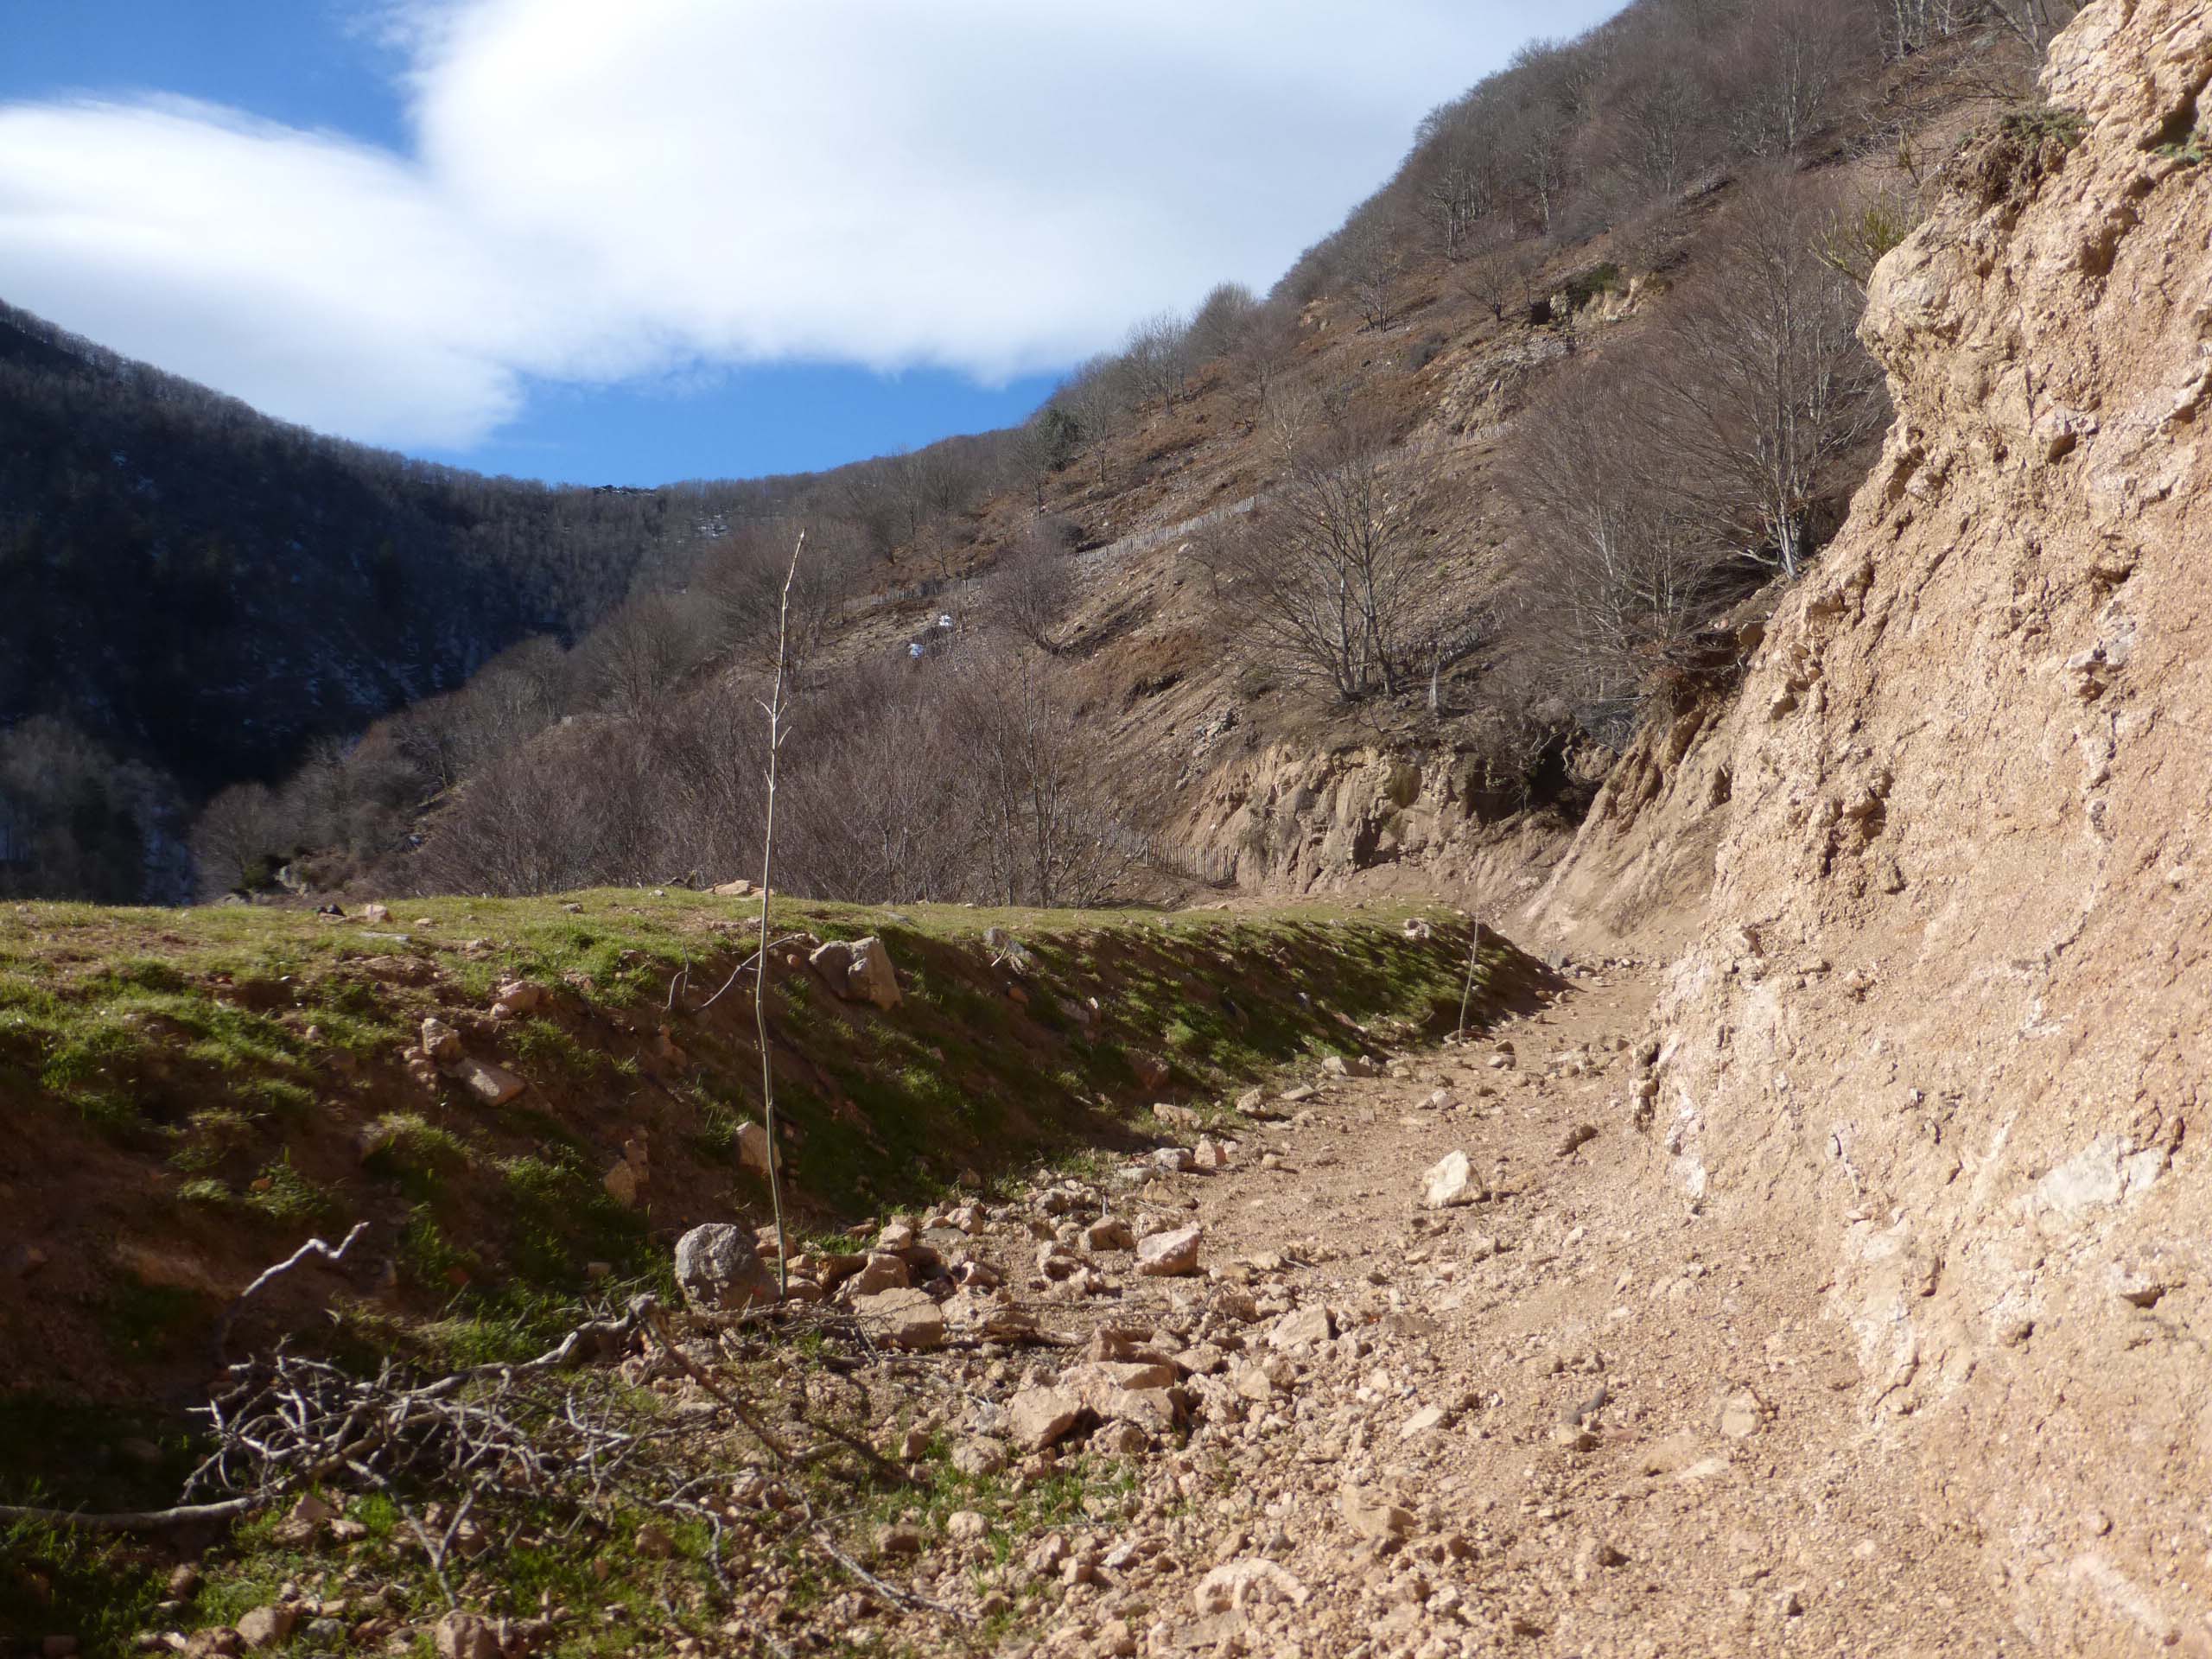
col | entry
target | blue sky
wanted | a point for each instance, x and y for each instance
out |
(308, 63)
(681, 238)
(320, 64)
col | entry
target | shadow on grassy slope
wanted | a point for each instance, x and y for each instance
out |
(196, 1092)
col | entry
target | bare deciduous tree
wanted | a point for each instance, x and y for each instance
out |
(1031, 591)
(639, 654)
(1909, 26)
(744, 585)
(1374, 264)
(1222, 322)
(239, 839)
(78, 822)
(1537, 137)
(1158, 357)
(1044, 834)
(1502, 275)
(1662, 129)
(876, 806)
(1264, 354)
(430, 738)
(1766, 385)
(1099, 395)
(1790, 60)
(1460, 176)
(1616, 571)
(1042, 445)
(1327, 565)
(2032, 23)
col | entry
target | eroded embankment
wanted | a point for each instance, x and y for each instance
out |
(1939, 1030)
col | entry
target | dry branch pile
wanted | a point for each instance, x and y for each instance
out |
(628, 1423)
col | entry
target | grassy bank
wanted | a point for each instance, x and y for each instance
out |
(195, 1093)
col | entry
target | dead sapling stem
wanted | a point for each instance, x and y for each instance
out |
(655, 1322)
(184, 1515)
(882, 1587)
(1467, 995)
(778, 731)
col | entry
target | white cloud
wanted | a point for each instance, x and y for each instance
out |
(597, 191)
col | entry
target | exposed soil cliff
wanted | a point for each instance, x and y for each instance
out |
(1283, 818)
(1945, 1016)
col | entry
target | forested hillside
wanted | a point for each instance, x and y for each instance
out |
(196, 592)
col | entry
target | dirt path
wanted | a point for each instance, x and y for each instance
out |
(1563, 1420)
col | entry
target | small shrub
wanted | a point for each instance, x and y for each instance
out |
(63, 1579)
(558, 1215)
(426, 1260)
(2186, 147)
(209, 1137)
(2047, 121)
(280, 1096)
(1586, 285)
(2005, 160)
(1854, 241)
(543, 1045)
(149, 1321)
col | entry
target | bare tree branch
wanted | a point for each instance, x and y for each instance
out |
(314, 1247)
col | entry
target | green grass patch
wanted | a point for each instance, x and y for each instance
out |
(282, 1194)
(414, 1154)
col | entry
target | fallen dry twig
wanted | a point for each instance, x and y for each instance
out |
(184, 1514)
(314, 1247)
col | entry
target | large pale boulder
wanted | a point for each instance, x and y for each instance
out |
(1302, 1327)
(630, 1176)
(1452, 1182)
(1373, 1516)
(466, 1635)
(1123, 1392)
(718, 1270)
(904, 1319)
(517, 997)
(1253, 1582)
(441, 1041)
(879, 1273)
(269, 1627)
(1038, 1417)
(872, 978)
(1170, 1255)
(752, 1147)
(858, 970)
(489, 1083)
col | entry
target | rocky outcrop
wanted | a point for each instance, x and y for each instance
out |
(1640, 864)
(1945, 1016)
(1284, 818)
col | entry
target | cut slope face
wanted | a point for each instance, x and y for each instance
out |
(1945, 1020)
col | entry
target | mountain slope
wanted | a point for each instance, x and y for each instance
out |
(1551, 290)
